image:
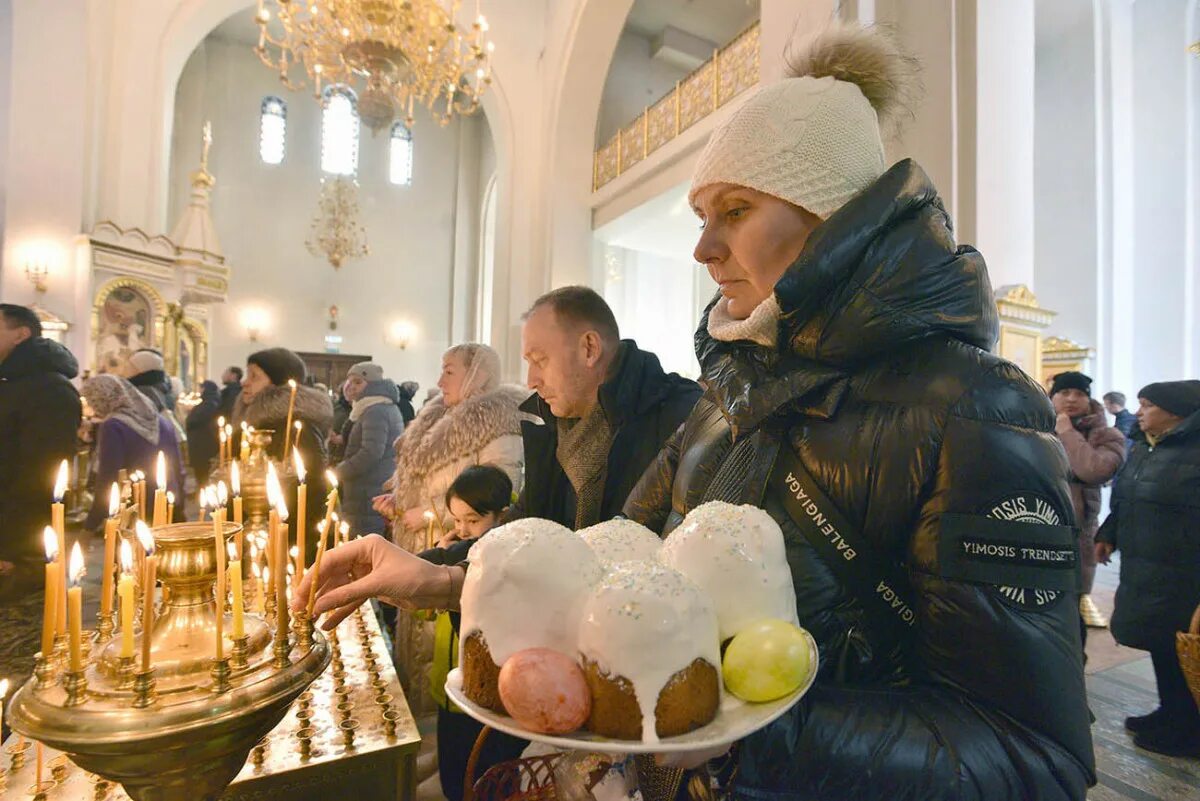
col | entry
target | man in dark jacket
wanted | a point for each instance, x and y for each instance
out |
(1154, 522)
(39, 418)
(231, 387)
(1123, 419)
(602, 410)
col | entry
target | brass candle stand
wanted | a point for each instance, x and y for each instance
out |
(183, 728)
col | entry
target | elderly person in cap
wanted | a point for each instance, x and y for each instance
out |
(1155, 524)
(1095, 453)
(263, 404)
(130, 435)
(369, 458)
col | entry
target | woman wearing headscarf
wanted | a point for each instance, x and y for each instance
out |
(263, 404)
(373, 425)
(474, 421)
(130, 435)
(202, 435)
(1155, 524)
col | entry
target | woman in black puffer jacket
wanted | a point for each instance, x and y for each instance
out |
(1155, 524)
(851, 341)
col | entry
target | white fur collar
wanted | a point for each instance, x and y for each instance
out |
(761, 327)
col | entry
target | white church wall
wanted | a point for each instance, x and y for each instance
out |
(262, 215)
(1065, 168)
(635, 80)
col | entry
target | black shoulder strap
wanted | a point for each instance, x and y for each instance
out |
(883, 589)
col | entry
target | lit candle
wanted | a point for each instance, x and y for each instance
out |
(322, 529)
(235, 583)
(50, 609)
(301, 511)
(146, 538)
(235, 480)
(280, 516)
(3, 693)
(287, 436)
(221, 434)
(110, 549)
(331, 499)
(125, 596)
(261, 579)
(344, 528)
(58, 522)
(139, 486)
(219, 545)
(170, 506)
(160, 491)
(245, 440)
(75, 609)
(429, 531)
(228, 443)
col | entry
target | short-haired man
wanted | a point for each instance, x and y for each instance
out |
(39, 419)
(1114, 403)
(604, 408)
(1095, 452)
(231, 387)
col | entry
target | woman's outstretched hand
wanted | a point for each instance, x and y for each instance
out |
(372, 567)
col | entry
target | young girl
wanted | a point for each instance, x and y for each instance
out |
(477, 499)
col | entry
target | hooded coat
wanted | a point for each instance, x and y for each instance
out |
(1095, 453)
(1155, 524)
(39, 421)
(883, 388)
(375, 424)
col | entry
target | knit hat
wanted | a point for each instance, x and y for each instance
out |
(145, 360)
(1180, 398)
(813, 138)
(279, 364)
(368, 371)
(1071, 380)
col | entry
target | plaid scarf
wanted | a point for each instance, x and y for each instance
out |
(583, 445)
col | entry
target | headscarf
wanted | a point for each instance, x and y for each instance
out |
(113, 397)
(483, 368)
(210, 392)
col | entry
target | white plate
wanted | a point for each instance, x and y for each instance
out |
(735, 720)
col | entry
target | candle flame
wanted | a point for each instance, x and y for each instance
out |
(266, 574)
(253, 552)
(291, 570)
(245, 427)
(231, 549)
(235, 479)
(160, 472)
(222, 435)
(282, 509)
(145, 537)
(170, 497)
(292, 384)
(202, 499)
(299, 424)
(50, 538)
(3, 688)
(60, 483)
(75, 567)
(114, 500)
(428, 516)
(255, 570)
(321, 526)
(294, 551)
(274, 491)
(345, 528)
(222, 493)
(221, 422)
(299, 460)
(229, 430)
(331, 479)
(126, 557)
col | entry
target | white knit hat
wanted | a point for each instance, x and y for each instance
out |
(813, 139)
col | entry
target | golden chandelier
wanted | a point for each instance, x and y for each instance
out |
(394, 53)
(335, 231)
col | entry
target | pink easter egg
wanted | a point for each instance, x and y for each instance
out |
(544, 691)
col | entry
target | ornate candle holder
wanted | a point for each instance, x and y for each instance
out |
(105, 624)
(169, 734)
(241, 652)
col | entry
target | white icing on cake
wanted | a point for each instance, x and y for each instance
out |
(622, 541)
(645, 622)
(736, 555)
(526, 586)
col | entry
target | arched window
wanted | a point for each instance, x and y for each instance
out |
(272, 130)
(401, 161)
(339, 131)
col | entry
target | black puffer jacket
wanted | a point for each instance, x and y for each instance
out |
(644, 407)
(1155, 524)
(884, 390)
(39, 419)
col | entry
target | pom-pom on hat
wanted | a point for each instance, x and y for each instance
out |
(813, 138)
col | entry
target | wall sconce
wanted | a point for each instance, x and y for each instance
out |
(37, 258)
(37, 270)
(401, 334)
(254, 320)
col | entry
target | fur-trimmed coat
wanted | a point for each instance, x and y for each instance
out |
(443, 441)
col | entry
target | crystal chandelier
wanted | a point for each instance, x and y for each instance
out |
(335, 232)
(394, 53)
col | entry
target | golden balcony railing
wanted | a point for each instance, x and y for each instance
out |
(732, 69)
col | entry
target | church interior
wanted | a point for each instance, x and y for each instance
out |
(342, 207)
